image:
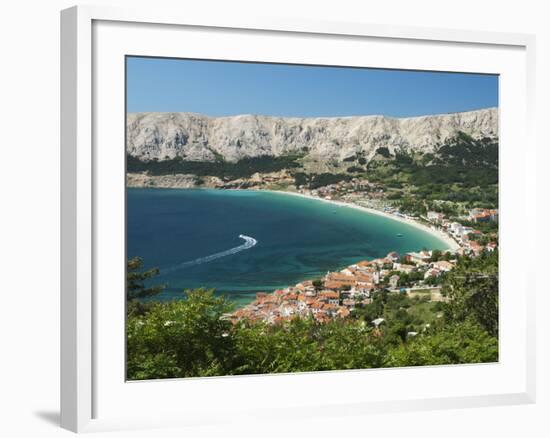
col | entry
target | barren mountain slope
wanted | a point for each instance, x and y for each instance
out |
(198, 137)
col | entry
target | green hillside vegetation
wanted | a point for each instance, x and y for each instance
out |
(191, 337)
(223, 169)
(461, 160)
(315, 180)
(463, 170)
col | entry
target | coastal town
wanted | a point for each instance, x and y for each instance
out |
(338, 294)
(416, 274)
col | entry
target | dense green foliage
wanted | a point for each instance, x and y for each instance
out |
(401, 313)
(463, 150)
(473, 291)
(490, 227)
(136, 277)
(460, 343)
(180, 339)
(301, 179)
(193, 337)
(315, 180)
(384, 152)
(243, 168)
(462, 170)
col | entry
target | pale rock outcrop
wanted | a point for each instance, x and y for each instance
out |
(199, 137)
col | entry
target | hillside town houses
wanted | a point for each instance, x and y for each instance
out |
(467, 237)
(337, 294)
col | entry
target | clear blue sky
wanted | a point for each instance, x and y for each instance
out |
(220, 88)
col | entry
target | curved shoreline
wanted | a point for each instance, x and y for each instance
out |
(449, 242)
(443, 237)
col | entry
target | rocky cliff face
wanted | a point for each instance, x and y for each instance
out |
(198, 137)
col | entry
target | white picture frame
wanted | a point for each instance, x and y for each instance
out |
(87, 179)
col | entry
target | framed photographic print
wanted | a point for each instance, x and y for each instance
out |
(266, 217)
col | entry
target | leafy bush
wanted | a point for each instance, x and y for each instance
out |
(300, 179)
(458, 344)
(473, 291)
(384, 152)
(181, 338)
(325, 179)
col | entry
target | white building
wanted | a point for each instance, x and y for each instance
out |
(443, 265)
(434, 216)
(421, 257)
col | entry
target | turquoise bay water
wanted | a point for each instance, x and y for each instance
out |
(193, 237)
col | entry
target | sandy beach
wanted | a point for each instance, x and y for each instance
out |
(445, 238)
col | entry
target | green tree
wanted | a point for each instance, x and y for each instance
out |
(181, 338)
(383, 151)
(466, 342)
(436, 255)
(304, 345)
(136, 277)
(317, 284)
(473, 291)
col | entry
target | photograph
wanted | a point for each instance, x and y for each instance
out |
(290, 218)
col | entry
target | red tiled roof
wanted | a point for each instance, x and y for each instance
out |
(335, 284)
(343, 312)
(330, 294)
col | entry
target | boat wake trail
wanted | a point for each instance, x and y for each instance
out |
(249, 242)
